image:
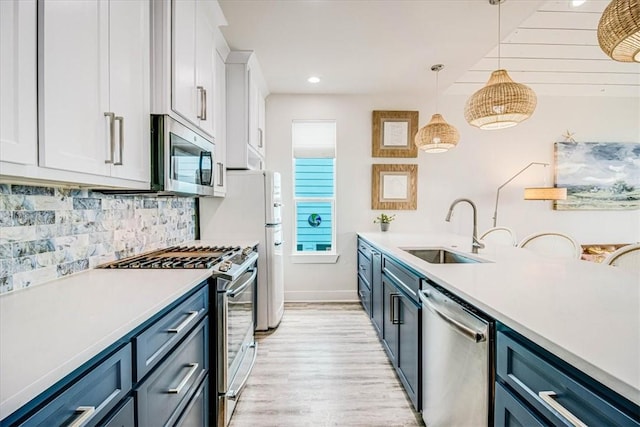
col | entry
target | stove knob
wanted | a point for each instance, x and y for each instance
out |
(225, 266)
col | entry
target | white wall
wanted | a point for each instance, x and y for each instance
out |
(482, 161)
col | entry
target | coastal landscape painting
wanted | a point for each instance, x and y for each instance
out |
(598, 175)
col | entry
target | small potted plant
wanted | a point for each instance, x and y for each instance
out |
(384, 220)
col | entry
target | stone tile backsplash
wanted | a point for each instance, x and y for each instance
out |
(49, 232)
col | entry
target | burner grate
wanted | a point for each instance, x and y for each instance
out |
(177, 257)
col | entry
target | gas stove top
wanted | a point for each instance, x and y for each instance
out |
(220, 257)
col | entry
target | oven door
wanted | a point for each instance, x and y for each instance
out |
(237, 348)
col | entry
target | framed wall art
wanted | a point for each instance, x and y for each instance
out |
(393, 133)
(598, 175)
(394, 187)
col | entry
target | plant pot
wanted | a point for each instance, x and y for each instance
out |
(384, 226)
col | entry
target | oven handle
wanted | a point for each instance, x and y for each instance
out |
(233, 292)
(234, 394)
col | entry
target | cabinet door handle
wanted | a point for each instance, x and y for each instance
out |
(112, 141)
(395, 311)
(547, 397)
(84, 414)
(181, 326)
(220, 174)
(392, 311)
(203, 103)
(260, 143)
(121, 138)
(193, 367)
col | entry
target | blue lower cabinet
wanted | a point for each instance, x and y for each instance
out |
(557, 392)
(364, 293)
(511, 412)
(125, 416)
(402, 335)
(162, 397)
(155, 342)
(196, 414)
(409, 333)
(92, 397)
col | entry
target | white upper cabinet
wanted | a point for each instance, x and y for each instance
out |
(246, 93)
(18, 103)
(94, 101)
(193, 64)
(130, 85)
(220, 117)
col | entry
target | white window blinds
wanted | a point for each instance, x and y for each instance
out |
(314, 139)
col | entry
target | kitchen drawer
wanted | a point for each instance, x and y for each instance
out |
(156, 341)
(364, 248)
(197, 413)
(364, 292)
(364, 268)
(511, 412)
(409, 282)
(123, 417)
(92, 397)
(164, 394)
(530, 375)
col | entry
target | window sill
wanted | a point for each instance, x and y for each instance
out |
(314, 258)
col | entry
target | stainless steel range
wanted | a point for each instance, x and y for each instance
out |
(234, 278)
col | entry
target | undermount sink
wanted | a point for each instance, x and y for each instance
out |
(442, 256)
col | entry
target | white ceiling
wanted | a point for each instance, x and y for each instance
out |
(388, 46)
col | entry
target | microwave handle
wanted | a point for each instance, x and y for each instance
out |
(204, 154)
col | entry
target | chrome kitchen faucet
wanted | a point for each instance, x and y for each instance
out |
(475, 243)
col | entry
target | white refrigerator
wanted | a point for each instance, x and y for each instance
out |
(251, 211)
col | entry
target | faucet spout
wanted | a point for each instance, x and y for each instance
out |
(475, 243)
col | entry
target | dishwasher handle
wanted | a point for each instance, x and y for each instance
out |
(457, 324)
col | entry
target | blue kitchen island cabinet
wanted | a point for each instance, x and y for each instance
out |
(402, 327)
(388, 291)
(534, 387)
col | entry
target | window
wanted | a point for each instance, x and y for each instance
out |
(314, 186)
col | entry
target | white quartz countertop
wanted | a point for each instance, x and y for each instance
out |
(585, 313)
(49, 330)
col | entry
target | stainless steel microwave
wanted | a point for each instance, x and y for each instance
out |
(182, 160)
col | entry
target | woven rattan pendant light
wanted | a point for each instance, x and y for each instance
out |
(619, 30)
(437, 136)
(501, 103)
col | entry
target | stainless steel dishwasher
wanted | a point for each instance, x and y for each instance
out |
(457, 352)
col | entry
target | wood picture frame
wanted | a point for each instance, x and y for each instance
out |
(394, 187)
(393, 134)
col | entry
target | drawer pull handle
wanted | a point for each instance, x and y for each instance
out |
(85, 413)
(547, 397)
(193, 367)
(181, 326)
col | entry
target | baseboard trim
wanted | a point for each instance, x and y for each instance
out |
(321, 296)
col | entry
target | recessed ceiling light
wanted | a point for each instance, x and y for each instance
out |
(576, 3)
(313, 79)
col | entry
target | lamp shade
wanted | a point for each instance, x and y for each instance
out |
(545, 193)
(500, 104)
(619, 30)
(437, 136)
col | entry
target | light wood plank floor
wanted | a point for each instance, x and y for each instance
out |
(323, 366)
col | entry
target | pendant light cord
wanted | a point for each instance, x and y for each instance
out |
(437, 72)
(499, 38)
